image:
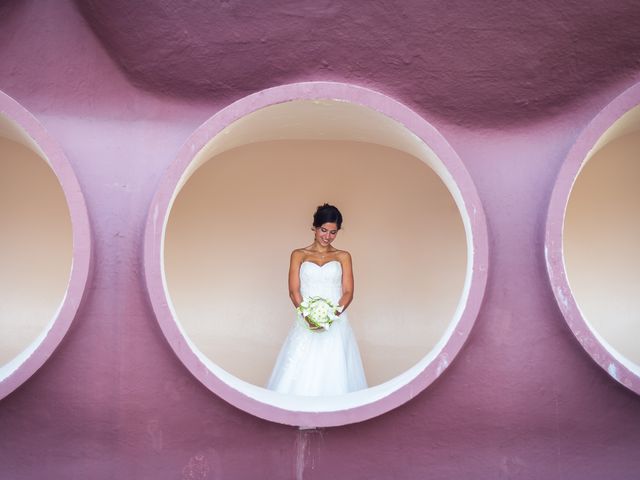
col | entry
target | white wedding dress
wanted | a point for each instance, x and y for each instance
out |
(322, 362)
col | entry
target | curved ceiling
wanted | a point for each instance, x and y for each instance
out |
(472, 62)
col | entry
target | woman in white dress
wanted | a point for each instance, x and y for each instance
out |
(314, 361)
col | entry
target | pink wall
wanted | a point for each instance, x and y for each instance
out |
(521, 400)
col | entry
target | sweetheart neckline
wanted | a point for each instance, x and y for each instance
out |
(320, 266)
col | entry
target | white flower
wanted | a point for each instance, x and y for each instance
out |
(318, 311)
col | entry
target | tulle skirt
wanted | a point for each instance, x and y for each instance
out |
(319, 363)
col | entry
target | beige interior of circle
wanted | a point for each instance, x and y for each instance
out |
(602, 238)
(237, 218)
(35, 245)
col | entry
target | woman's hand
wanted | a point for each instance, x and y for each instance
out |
(312, 326)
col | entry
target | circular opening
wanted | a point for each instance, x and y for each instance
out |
(244, 184)
(42, 276)
(593, 234)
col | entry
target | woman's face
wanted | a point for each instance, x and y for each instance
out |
(326, 233)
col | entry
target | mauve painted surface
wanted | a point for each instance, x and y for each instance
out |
(522, 400)
(477, 63)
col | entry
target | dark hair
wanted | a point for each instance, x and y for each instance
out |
(327, 214)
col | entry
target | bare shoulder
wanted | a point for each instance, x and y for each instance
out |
(297, 255)
(343, 256)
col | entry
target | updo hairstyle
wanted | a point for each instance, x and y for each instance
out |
(327, 214)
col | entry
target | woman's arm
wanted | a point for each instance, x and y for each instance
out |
(294, 284)
(294, 278)
(347, 281)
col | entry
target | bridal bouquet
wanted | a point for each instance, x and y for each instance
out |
(318, 312)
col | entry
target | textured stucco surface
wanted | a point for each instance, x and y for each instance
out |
(490, 62)
(522, 400)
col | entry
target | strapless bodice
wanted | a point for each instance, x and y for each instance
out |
(324, 281)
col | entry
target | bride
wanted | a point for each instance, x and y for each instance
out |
(314, 361)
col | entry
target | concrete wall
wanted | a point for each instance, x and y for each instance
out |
(121, 90)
